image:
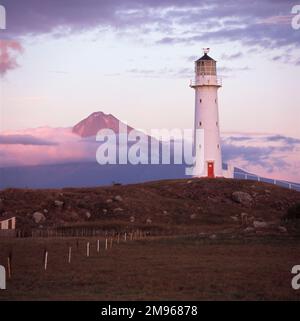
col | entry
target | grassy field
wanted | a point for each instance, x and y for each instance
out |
(177, 268)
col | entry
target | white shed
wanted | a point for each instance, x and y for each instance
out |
(8, 224)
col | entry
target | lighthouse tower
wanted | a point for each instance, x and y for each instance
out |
(207, 143)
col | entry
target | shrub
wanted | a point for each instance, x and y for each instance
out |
(293, 212)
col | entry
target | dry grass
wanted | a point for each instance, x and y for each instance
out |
(158, 269)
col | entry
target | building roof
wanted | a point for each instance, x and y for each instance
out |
(205, 57)
(6, 217)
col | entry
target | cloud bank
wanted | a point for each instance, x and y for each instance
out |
(272, 156)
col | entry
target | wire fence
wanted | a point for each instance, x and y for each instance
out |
(285, 184)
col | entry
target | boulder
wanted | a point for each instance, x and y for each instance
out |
(282, 229)
(74, 216)
(260, 224)
(234, 218)
(132, 219)
(88, 215)
(118, 198)
(193, 216)
(242, 198)
(59, 203)
(249, 229)
(104, 211)
(148, 221)
(118, 209)
(213, 236)
(202, 235)
(38, 217)
(109, 201)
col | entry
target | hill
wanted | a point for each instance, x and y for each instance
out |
(170, 206)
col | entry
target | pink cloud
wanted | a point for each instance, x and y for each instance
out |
(9, 51)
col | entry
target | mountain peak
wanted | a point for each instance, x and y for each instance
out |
(96, 121)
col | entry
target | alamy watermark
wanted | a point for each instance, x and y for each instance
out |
(161, 146)
(296, 19)
(2, 278)
(2, 17)
(296, 278)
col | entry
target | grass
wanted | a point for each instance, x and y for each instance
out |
(177, 268)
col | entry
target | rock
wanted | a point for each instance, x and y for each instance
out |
(74, 216)
(202, 235)
(118, 209)
(189, 182)
(249, 229)
(118, 198)
(148, 221)
(104, 211)
(193, 216)
(88, 215)
(132, 219)
(242, 198)
(38, 217)
(282, 229)
(259, 224)
(244, 218)
(165, 212)
(267, 191)
(59, 203)
(109, 201)
(234, 218)
(45, 211)
(213, 236)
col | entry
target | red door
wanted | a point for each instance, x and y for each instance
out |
(210, 170)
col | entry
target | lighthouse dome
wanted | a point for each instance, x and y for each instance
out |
(205, 57)
(205, 66)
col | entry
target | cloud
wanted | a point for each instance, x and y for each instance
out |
(162, 73)
(273, 156)
(9, 51)
(284, 139)
(232, 56)
(265, 23)
(24, 140)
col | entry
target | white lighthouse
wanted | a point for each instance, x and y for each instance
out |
(207, 146)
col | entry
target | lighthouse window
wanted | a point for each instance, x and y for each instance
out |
(200, 100)
(218, 146)
(216, 100)
(200, 123)
(217, 123)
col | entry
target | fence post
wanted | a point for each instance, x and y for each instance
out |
(88, 249)
(45, 259)
(9, 264)
(98, 246)
(70, 254)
